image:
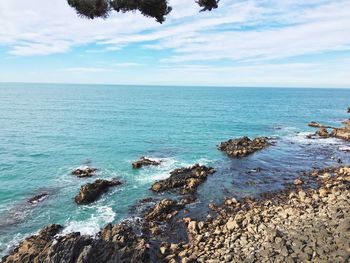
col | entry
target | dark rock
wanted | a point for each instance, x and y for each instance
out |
(185, 179)
(38, 198)
(315, 124)
(112, 244)
(163, 210)
(348, 110)
(244, 146)
(144, 162)
(84, 171)
(90, 192)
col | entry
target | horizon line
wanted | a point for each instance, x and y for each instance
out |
(176, 85)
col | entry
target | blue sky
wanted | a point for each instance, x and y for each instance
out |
(243, 43)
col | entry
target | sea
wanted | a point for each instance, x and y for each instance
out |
(47, 130)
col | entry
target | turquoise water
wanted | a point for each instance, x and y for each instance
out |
(48, 130)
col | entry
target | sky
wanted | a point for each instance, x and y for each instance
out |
(272, 43)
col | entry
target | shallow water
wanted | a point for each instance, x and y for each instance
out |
(47, 130)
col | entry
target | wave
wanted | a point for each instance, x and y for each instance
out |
(102, 216)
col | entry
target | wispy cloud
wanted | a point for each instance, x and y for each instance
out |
(245, 36)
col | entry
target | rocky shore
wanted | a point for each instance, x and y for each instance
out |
(298, 225)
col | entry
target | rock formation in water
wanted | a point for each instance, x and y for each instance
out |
(143, 161)
(236, 148)
(84, 171)
(185, 179)
(38, 198)
(92, 191)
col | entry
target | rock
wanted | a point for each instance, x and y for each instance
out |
(90, 192)
(341, 133)
(315, 124)
(38, 198)
(162, 210)
(112, 244)
(244, 146)
(348, 110)
(192, 227)
(84, 171)
(322, 132)
(298, 181)
(231, 224)
(143, 161)
(185, 179)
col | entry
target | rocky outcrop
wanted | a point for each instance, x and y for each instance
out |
(143, 161)
(300, 225)
(323, 133)
(244, 146)
(112, 244)
(92, 191)
(163, 210)
(84, 171)
(38, 198)
(348, 110)
(185, 179)
(341, 133)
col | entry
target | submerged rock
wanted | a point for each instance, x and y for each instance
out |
(144, 162)
(185, 179)
(38, 198)
(244, 146)
(84, 171)
(112, 244)
(90, 192)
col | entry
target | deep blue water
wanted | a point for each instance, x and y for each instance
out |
(47, 130)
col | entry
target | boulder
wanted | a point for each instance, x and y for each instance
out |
(38, 198)
(90, 192)
(84, 171)
(185, 179)
(143, 161)
(244, 146)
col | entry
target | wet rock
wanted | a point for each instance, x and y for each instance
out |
(112, 244)
(38, 198)
(298, 181)
(323, 133)
(92, 191)
(341, 133)
(185, 179)
(163, 210)
(244, 146)
(348, 110)
(84, 171)
(315, 124)
(143, 161)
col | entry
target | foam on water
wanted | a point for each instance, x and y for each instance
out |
(100, 216)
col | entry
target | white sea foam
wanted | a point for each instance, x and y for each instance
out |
(99, 218)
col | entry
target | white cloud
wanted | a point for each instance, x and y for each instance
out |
(259, 32)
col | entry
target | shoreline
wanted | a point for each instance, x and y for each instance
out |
(211, 240)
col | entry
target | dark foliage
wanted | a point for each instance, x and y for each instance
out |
(157, 9)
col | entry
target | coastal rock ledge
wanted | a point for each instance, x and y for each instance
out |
(92, 191)
(112, 244)
(241, 147)
(185, 179)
